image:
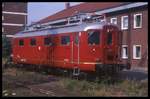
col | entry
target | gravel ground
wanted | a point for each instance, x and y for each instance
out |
(134, 74)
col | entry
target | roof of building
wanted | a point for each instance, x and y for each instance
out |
(81, 8)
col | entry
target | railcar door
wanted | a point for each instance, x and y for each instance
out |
(110, 45)
(48, 42)
(76, 53)
(75, 49)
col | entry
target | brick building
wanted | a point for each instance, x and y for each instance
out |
(14, 17)
(131, 18)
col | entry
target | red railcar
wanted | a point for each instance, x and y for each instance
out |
(86, 47)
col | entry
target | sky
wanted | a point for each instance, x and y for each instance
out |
(39, 10)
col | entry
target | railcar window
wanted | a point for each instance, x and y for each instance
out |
(94, 37)
(109, 38)
(77, 39)
(33, 42)
(65, 40)
(21, 42)
(47, 41)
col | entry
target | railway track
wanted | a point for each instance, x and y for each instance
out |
(36, 89)
(14, 82)
(44, 88)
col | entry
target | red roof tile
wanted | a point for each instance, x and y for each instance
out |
(83, 7)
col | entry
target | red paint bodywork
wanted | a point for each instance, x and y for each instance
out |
(84, 56)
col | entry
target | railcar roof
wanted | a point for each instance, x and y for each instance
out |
(70, 29)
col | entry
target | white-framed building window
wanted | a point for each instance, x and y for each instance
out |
(124, 51)
(2, 29)
(138, 20)
(124, 22)
(2, 17)
(113, 20)
(2, 4)
(136, 51)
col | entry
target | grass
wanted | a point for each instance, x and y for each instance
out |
(122, 88)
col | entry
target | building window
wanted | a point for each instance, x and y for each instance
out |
(33, 42)
(2, 29)
(47, 41)
(21, 42)
(124, 51)
(136, 51)
(124, 22)
(65, 40)
(93, 37)
(2, 4)
(137, 20)
(2, 17)
(113, 20)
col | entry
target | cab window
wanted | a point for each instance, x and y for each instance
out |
(93, 37)
(109, 38)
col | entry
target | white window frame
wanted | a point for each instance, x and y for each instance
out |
(122, 26)
(134, 51)
(111, 20)
(135, 21)
(123, 53)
